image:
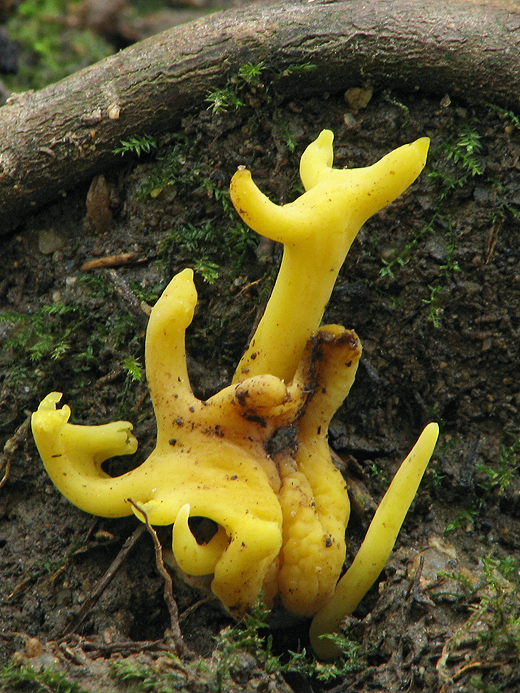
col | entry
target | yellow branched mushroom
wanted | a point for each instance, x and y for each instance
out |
(279, 511)
(316, 230)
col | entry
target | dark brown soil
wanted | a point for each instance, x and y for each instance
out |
(432, 287)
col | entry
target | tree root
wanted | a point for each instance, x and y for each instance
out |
(64, 134)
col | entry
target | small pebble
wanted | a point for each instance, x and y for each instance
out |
(49, 241)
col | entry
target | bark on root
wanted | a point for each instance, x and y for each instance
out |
(66, 133)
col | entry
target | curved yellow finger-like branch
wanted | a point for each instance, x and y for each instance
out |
(165, 350)
(317, 231)
(192, 557)
(377, 545)
(73, 456)
(316, 159)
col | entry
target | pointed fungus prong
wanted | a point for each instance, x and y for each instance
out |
(377, 545)
(192, 557)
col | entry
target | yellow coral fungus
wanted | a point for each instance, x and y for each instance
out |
(280, 510)
(317, 230)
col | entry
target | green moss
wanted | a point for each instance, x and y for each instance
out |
(457, 160)
(252, 635)
(145, 679)
(251, 80)
(51, 47)
(138, 145)
(67, 346)
(24, 678)
(497, 479)
(493, 625)
(490, 484)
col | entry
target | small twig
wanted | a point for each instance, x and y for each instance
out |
(187, 612)
(95, 649)
(168, 586)
(494, 232)
(105, 581)
(11, 446)
(112, 261)
(249, 285)
(138, 308)
(415, 593)
(19, 587)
